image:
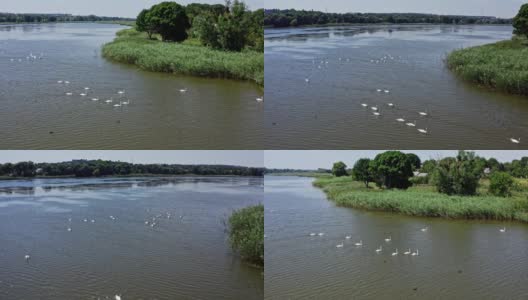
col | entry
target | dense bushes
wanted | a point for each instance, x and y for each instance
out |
(501, 184)
(246, 232)
(520, 22)
(361, 171)
(392, 169)
(231, 27)
(458, 176)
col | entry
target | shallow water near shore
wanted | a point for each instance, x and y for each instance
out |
(114, 248)
(346, 66)
(37, 113)
(457, 259)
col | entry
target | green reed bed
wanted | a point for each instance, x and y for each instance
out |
(424, 200)
(189, 58)
(502, 66)
(246, 233)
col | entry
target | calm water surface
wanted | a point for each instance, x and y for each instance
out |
(186, 255)
(457, 259)
(212, 114)
(346, 66)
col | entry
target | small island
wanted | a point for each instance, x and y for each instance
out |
(463, 187)
(502, 66)
(246, 234)
(218, 41)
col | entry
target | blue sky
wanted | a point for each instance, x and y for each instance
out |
(498, 8)
(113, 8)
(240, 158)
(314, 159)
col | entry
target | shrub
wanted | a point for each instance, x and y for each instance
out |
(501, 184)
(457, 176)
(339, 169)
(246, 233)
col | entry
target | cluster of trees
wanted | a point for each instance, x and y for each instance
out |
(89, 168)
(458, 175)
(43, 18)
(229, 27)
(292, 17)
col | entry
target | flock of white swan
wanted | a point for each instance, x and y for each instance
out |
(387, 241)
(150, 221)
(376, 109)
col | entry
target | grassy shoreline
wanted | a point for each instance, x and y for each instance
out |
(189, 58)
(502, 66)
(425, 201)
(246, 233)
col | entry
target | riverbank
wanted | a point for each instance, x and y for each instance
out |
(119, 176)
(502, 66)
(424, 200)
(246, 233)
(188, 58)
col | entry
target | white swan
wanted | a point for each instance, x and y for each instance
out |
(379, 249)
(515, 141)
(424, 131)
(407, 252)
(424, 229)
(27, 257)
(387, 91)
(395, 253)
(82, 94)
(364, 104)
(109, 100)
(307, 80)
(117, 297)
(359, 244)
(320, 234)
(60, 81)
(183, 90)
(66, 82)
(388, 239)
(374, 108)
(86, 88)
(260, 99)
(69, 229)
(118, 105)
(348, 237)
(121, 92)
(411, 124)
(69, 93)
(416, 253)
(340, 245)
(313, 234)
(390, 104)
(379, 90)
(126, 102)
(502, 229)
(400, 120)
(377, 113)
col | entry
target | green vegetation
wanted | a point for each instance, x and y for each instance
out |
(246, 233)
(520, 22)
(424, 200)
(502, 66)
(339, 169)
(292, 17)
(52, 18)
(132, 47)
(212, 41)
(465, 186)
(501, 184)
(89, 168)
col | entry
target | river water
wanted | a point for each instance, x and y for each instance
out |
(457, 259)
(36, 113)
(346, 65)
(185, 255)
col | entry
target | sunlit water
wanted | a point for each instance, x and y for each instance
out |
(346, 66)
(185, 255)
(36, 113)
(457, 259)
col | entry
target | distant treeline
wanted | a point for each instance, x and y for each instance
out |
(93, 168)
(44, 18)
(292, 17)
(285, 171)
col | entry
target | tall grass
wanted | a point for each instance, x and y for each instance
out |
(502, 66)
(424, 200)
(190, 58)
(246, 233)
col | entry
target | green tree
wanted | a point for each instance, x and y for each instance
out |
(361, 171)
(232, 27)
(428, 166)
(458, 176)
(339, 169)
(144, 24)
(169, 20)
(415, 161)
(392, 169)
(520, 22)
(501, 184)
